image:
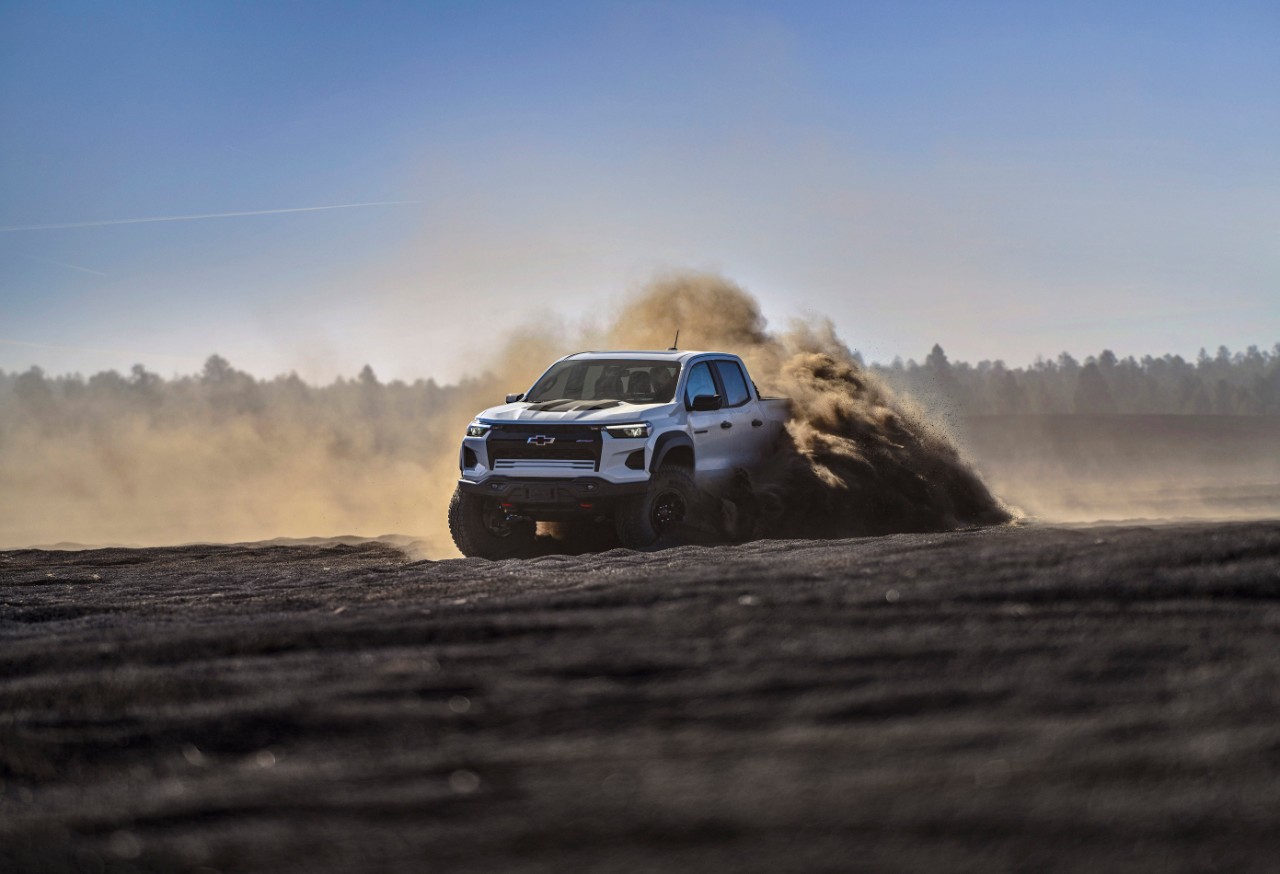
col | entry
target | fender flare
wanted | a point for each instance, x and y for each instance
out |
(667, 442)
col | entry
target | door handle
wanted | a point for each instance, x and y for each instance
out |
(756, 423)
(726, 425)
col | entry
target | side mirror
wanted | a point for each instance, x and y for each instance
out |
(511, 399)
(705, 403)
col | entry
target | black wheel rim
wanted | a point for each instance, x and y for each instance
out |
(495, 519)
(669, 509)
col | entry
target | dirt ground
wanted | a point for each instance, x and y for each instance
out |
(1022, 698)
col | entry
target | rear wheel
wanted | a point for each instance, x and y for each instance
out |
(482, 528)
(665, 508)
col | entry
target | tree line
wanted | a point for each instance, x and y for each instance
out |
(1228, 383)
(357, 415)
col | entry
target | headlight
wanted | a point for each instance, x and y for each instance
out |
(639, 429)
(475, 429)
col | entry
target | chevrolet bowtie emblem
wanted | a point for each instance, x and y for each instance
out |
(542, 440)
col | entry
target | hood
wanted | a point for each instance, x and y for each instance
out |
(615, 414)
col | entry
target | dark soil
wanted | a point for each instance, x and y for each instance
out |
(1032, 699)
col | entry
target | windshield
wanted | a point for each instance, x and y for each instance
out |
(634, 381)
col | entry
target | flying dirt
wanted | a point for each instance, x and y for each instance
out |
(856, 459)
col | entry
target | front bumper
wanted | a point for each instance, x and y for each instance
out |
(551, 492)
(515, 466)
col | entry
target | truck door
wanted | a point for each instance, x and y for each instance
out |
(748, 432)
(713, 443)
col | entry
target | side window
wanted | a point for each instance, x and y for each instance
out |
(735, 387)
(700, 383)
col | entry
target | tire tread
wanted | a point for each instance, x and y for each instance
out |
(635, 530)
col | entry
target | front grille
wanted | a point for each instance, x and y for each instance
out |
(534, 463)
(572, 443)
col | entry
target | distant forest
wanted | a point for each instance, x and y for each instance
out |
(1227, 383)
(359, 415)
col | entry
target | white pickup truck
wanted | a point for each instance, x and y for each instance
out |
(627, 437)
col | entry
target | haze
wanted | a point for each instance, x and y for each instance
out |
(1007, 180)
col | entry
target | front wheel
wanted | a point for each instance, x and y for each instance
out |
(481, 528)
(666, 507)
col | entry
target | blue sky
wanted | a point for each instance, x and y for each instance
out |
(1006, 179)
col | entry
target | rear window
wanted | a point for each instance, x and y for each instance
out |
(735, 385)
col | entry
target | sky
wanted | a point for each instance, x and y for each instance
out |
(403, 184)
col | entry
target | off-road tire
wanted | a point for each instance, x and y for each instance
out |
(474, 522)
(665, 507)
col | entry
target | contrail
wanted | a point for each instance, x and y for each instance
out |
(207, 215)
(65, 264)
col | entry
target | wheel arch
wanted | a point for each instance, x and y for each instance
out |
(674, 447)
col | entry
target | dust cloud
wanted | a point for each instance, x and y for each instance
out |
(222, 457)
(856, 459)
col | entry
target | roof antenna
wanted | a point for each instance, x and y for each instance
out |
(675, 342)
